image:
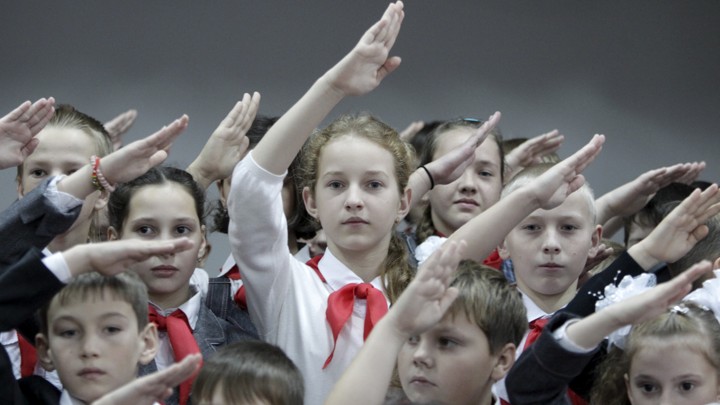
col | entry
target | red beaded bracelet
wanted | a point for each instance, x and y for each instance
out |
(98, 180)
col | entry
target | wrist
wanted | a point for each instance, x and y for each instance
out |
(642, 256)
(201, 176)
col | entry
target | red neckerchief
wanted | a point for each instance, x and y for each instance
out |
(341, 302)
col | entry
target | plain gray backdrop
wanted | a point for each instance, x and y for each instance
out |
(645, 73)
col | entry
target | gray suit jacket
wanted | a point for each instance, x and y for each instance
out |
(211, 334)
(32, 221)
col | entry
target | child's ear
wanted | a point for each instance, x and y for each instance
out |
(205, 246)
(42, 348)
(597, 235)
(716, 265)
(309, 201)
(112, 233)
(20, 190)
(627, 385)
(149, 342)
(502, 250)
(504, 361)
(405, 199)
(102, 201)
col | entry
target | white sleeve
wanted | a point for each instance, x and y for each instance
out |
(258, 238)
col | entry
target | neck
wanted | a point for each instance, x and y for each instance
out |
(367, 264)
(171, 300)
(74, 237)
(549, 303)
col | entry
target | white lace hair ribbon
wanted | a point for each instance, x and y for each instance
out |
(428, 247)
(628, 287)
(708, 296)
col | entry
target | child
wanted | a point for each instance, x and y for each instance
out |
(671, 356)
(249, 373)
(448, 350)
(453, 204)
(66, 144)
(166, 203)
(93, 312)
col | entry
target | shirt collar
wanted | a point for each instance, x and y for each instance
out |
(337, 275)
(533, 311)
(191, 308)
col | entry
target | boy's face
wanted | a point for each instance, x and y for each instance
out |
(451, 364)
(95, 345)
(549, 248)
(60, 151)
(476, 190)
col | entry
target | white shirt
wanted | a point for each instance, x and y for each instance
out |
(287, 300)
(533, 312)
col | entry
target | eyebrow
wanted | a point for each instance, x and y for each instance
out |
(102, 317)
(365, 173)
(153, 219)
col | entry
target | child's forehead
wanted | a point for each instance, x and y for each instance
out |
(90, 306)
(576, 206)
(352, 153)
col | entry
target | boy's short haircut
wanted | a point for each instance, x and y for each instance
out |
(91, 287)
(248, 372)
(530, 173)
(487, 299)
(655, 210)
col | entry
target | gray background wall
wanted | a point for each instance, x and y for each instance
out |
(645, 73)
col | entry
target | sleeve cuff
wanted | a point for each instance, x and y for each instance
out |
(58, 266)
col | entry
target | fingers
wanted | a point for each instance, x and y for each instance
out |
(163, 138)
(409, 133)
(393, 28)
(487, 126)
(679, 286)
(18, 112)
(583, 157)
(692, 173)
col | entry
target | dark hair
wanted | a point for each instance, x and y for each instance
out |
(250, 372)
(119, 204)
(655, 210)
(90, 287)
(426, 227)
(300, 221)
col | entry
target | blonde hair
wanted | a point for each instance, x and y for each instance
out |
(697, 327)
(530, 173)
(397, 271)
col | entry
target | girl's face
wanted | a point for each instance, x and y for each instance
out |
(61, 151)
(163, 212)
(356, 196)
(454, 204)
(671, 371)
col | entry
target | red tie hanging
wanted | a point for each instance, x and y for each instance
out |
(340, 307)
(28, 356)
(240, 298)
(181, 339)
(536, 328)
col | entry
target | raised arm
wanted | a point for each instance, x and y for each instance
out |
(450, 166)
(18, 129)
(126, 163)
(632, 196)
(359, 72)
(487, 230)
(532, 151)
(679, 231)
(227, 144)
(118, 126)
(590, 331)
(420, 306)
